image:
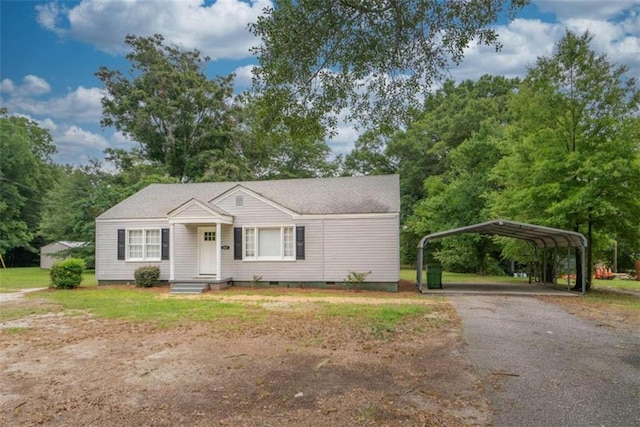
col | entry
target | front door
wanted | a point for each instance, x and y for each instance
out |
(207, 251)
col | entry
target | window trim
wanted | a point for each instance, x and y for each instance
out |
(256, 234)
(127, 256)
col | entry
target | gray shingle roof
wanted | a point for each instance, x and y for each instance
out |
(344, 195)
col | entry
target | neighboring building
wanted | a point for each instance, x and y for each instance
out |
(294, 232)
(47, 252)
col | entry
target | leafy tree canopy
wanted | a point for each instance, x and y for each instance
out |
(375, 57)
(171, 108)
(572, 159)
(25, 175)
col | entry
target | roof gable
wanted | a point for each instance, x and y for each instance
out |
(242, 189)
(196, 211)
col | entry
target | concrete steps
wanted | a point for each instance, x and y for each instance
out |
(198, 286)
(189, 288)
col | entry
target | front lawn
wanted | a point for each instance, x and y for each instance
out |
(15, 278)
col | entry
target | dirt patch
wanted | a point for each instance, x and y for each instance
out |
(614, 316)
(289, 368)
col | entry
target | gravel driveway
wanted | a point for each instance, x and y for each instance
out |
(545, 367)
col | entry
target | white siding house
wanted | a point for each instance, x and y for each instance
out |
(296, 232)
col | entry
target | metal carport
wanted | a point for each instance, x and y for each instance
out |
(536, 235)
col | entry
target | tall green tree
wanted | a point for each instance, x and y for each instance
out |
(451, 115)
(25, 175)
(458, 198)
(167, 104)
(82, 193)
(375, 57)
(573, 158)
(280, 148)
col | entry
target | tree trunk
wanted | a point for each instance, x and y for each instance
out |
(589, 252)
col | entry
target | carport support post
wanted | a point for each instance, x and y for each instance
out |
(584, 270)
(544, 266)
(568, 267)
(419, 268)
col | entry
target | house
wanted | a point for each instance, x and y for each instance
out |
(47, 252)
(294, 232)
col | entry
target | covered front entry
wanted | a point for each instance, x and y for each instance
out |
(207, 250)
(199, 239)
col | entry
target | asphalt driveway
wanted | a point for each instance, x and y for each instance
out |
(542, 366)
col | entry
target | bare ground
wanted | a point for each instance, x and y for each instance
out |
(290, 369)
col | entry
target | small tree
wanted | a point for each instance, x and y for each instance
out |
(355, 279)
(67, 274)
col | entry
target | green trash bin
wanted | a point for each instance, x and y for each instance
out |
(434, 276)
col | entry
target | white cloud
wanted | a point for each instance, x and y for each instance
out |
(7, 86)
(31, 86)
(243, 76)
(523, 41)
(74, 144)
(586, 8)
(220, 30)
(50, 15)
(80, 105)
(118, 140)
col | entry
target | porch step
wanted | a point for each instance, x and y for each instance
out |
(188, 288)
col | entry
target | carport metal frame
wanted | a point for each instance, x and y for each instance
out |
(537, 235)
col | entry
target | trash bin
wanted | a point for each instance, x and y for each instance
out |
(434, 276)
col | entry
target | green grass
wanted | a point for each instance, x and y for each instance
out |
(631, 285)
(612, 299)
(143, 305)
(16, 278)
(380, 319)
(146, 306)
(448, 277)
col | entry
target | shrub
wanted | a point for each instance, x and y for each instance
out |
(67, 274)
(356, 279)
(147, 276)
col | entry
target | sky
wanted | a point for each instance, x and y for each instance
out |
(50, 51)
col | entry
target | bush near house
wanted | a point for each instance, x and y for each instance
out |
(67, 274)
(147, 276)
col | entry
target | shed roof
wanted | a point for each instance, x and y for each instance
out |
(542, 237)
(343, 195)
(67, 243)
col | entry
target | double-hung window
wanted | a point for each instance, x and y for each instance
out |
(269, 243)
(143, 244)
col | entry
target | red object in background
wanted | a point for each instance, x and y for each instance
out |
(604, 273)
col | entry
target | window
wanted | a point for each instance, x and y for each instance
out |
(143, 245)
(209, 236)
(269, 243)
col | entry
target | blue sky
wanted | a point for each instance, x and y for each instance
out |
(49, 52)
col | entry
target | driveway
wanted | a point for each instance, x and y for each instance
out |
(542, 366)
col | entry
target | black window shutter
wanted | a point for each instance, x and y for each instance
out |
(300, 242)
(237, 243)
(165, 243)
(121, 247)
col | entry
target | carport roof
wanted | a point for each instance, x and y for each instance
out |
(542, 237)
